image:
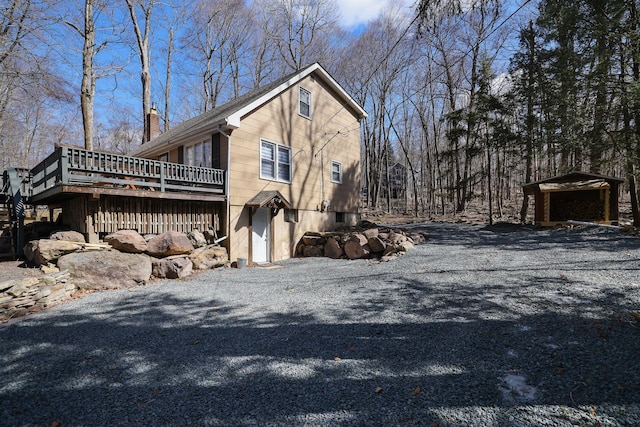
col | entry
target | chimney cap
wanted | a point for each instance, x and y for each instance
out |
(154, 105)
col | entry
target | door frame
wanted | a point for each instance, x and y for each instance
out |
(269, 239)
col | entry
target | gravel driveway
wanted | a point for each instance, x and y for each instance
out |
(500, 326)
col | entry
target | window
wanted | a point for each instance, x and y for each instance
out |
(198, 154)
(305, 103)
(336, 172)
(291, 215)
(275, 161)
(339, 217)
(163, 157)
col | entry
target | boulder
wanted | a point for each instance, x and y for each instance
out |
(68, 236)
(376, 244)
(396, 238)
(311, 240)
(359, 238)
(419, 237)
(169, 243)
(172, 268)
(332, 249)
(354, 250)
(390, 250)
(405, 246)
(46, 251)
(98, 270)
(371, 232)
(197, 239)
(209, 256)
(312, 251)
(127, 241)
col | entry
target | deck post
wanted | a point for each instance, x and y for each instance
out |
(163, 166)
(64, 165)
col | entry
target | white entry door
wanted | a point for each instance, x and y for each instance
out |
(261, 235)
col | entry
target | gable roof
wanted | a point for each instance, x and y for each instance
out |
(227, 116)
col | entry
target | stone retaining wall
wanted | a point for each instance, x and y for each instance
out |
(377, 242)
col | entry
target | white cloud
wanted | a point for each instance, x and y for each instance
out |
(358, 12)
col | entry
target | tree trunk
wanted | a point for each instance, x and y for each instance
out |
(87, 86)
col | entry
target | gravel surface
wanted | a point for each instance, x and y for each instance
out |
(481, 326)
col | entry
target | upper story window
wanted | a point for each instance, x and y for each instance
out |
(305, 103)
(336, 172)
(275, 161)
(198, 154)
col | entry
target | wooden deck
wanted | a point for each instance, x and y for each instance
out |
(69, 171)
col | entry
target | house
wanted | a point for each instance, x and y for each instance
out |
(578, 196)
(291, 154)
(397, 180)
(258, 172)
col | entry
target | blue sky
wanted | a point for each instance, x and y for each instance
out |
(356, 13)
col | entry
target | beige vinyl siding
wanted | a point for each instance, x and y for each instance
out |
(278, 121)
(284, 235)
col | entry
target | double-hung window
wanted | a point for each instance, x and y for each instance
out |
(275, 161)
(305, 103)
(336, 172)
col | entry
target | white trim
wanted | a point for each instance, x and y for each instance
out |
(276, 147)
(300, 90)
(235, 117)
(335, 162)
(233, 120)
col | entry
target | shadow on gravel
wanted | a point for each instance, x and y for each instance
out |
(141, 364)
(524, 237)
(454, 355)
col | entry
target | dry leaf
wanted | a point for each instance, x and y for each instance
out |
(352, 349)
(378, 390)
(593, 411)
(416, 391)
(56, 423)
(337, 359)
(635, 315)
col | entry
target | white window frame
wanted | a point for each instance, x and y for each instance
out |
(277, 148)
(339, 165)
(300, 103)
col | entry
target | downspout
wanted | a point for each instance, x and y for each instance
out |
(227, 187)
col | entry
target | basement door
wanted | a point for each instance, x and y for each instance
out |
(261, 236)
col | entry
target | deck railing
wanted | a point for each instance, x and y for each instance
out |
(75, 166)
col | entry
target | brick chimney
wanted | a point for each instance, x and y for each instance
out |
(153, 123)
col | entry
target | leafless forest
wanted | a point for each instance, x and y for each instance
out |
(467, 100)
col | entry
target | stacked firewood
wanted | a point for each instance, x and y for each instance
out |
(580, 210)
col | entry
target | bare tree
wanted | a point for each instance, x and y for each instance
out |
(142, 30)
(300, 31)
(173, 19)
(217, 39)
(34, 96)
(92, 10)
